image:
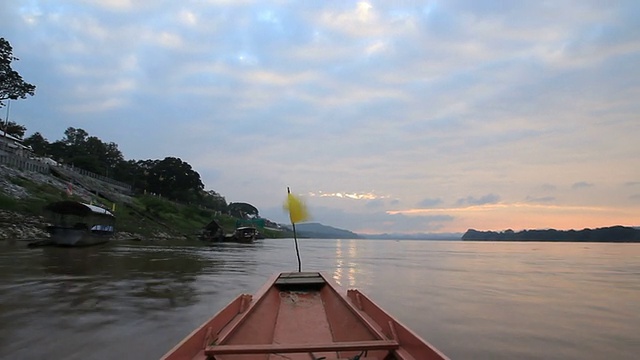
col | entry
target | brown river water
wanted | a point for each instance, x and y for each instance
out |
(471, 300)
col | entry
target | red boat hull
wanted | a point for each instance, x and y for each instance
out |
(303, 316)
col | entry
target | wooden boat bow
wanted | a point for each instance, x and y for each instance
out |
(303, 316)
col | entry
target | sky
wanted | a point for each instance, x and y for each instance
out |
(385, 117)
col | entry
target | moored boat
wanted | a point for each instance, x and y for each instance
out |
(303, 315)
(79, 224)
(244, 234)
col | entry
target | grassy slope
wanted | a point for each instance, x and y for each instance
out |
(41, 194)
(146, 215)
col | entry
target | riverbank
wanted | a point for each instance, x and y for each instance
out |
(14, 225)
(20, 227)
(23, 194)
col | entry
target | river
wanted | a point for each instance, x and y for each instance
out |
(471, 300)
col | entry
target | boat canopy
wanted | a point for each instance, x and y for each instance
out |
(246, 228)
(76, 208)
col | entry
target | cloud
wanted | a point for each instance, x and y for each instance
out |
(581, 185)
(448, 98)
(359, 21)
(367, 222)
(373, 204)
(543, 199)
(348, 195)
(486, 199)
(548, 187)
(117, 5)
(188, 17)
(502, 207)
(95, 106)
(430, 202)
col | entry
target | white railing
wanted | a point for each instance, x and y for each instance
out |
(36, 165)
(24, 163)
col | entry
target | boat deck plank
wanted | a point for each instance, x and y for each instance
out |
(300, 281)
(302, 348)
(302, 320)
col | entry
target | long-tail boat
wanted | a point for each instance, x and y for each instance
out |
(303, 315)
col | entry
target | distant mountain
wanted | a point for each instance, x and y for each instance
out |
(417, 236)
(319, 231)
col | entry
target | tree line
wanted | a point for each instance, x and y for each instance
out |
(170, 177)
(606, 234)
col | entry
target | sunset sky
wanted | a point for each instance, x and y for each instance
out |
(386, 117)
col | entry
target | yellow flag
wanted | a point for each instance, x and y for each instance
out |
(297, 209)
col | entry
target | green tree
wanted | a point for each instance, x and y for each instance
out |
(38, 143)
(213, 200)
(241, 210)
(174, 179)
(139, 171)
(13, 129)
(87, 162)
(70, 150)
(12, 86)
(88, 152)
(129, 172)
(75, 137)
(59, 151)
(95, 150)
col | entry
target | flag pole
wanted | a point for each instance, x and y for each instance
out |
(6, 124)
(295, 238)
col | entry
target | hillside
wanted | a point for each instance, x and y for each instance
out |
(319, 231)
(23, 194)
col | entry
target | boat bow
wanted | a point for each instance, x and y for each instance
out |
(303, 316)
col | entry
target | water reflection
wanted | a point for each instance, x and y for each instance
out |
(73, 290)
(80, 288)
(241, 258)
(353, 266)
(346, 267)
(113, 279)
(337, 274)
